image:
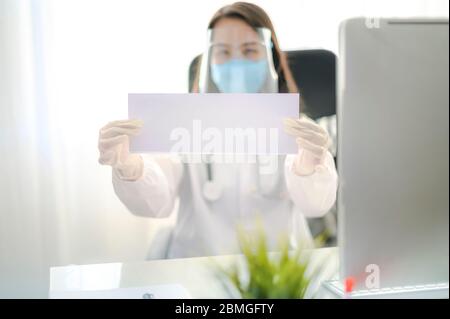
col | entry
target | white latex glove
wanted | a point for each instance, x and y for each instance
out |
(113, 144)
(313, 142)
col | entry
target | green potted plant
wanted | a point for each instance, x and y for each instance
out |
(285, 274)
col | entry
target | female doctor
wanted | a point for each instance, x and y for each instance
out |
(243, 56)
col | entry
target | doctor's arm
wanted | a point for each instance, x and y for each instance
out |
(146, 185)
(155, 192)
(311, 175)
(313, 194)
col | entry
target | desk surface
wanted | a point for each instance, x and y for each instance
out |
(198, 275)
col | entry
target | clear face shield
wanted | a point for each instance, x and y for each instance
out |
(238, 62)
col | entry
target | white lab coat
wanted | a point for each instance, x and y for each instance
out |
(203, 227)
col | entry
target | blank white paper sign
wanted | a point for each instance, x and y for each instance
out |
(213, 123)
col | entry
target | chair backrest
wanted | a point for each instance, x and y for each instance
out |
(314, 72)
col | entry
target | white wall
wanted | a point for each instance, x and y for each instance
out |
(146, 46)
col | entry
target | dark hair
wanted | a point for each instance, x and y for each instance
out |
(256, 17)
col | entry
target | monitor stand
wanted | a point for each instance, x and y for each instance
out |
(434, 291)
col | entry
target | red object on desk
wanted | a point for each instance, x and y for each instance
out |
(349, 284)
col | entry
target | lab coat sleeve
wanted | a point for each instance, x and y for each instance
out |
(314, 194)
(154, 194)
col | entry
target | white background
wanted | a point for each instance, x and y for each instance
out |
(66, 67)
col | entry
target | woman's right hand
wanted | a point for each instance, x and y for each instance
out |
(113, 145)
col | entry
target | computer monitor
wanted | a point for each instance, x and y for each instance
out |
(393, 152)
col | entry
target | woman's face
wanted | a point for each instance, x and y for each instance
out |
(235, 39)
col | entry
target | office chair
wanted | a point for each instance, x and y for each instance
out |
(314, 72)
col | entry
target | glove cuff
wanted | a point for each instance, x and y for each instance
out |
(132, 170)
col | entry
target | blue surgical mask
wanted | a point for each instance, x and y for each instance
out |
(239, 76)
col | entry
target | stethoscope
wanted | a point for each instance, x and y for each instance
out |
(213, 189)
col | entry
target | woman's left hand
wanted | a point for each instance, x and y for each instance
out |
(313, 142)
